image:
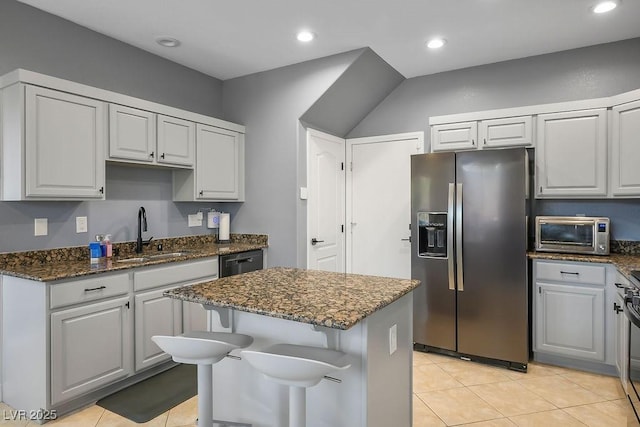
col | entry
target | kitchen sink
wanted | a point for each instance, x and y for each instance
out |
(132, 260)
(165, 255)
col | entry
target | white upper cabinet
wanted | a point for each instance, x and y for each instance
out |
(52, 145)
(132, 134)
(219, 170)
(176, 141)
(482, 134)
(454, 136)
(571, 157)
(507, 132)
(145, 137)
(625, 150)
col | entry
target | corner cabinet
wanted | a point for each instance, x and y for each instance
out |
(52, 145)
(625, 150)
(571, 158)
(219, 170)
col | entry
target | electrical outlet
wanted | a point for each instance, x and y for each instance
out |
(81, 224)
(40, 226)
(393, 339)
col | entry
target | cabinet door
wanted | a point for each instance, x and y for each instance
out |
(455, 136)
(217, 164)
(90, 347)
(570, 320)
(155, 315)
(64, 145)
(132, 134)
(176, 141)
(508, 132)
(625, 150)
(571, 158)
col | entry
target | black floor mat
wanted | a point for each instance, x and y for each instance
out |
(147, 399)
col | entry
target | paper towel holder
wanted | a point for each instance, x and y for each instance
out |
(223, 228)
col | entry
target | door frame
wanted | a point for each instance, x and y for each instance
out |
(350, 142)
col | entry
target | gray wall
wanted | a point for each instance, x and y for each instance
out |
(41, 42)
(358, 91)
(38, 41)
(270, 105)
(590, 72)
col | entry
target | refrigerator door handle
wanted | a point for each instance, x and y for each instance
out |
(450, 205)
(459, 237)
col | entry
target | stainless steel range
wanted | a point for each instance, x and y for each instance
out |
(632, 312)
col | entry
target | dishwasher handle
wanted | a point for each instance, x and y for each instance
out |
(239, 260)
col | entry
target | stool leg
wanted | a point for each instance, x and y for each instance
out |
(297, 406)
(205, 396)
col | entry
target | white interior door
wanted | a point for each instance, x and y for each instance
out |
(326, 203)
(379, 204)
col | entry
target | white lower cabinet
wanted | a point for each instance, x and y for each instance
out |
(570, 312)
(155, 315)
(622, 340)
(65, 343)
(90, 347)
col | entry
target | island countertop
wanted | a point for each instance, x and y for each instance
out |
(333, 300)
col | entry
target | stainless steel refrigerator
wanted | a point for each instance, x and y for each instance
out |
(469, 243)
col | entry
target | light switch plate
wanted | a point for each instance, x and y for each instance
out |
(81, 224)
(40, 227)
(194, 221)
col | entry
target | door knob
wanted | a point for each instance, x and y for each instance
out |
(314, 241)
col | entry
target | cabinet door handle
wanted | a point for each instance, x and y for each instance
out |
(101, 190)
(485, 141)
(95, 289)
(406, 240)
(617, 308)
(153, 154)
(162, 156)
(619, 285)
(201, 192)
(473, 142)
(569, 272)
(127, 305)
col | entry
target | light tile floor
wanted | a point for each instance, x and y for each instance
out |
(452, 392)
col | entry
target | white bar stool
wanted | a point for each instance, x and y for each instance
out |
(203, 349)
(298, 367)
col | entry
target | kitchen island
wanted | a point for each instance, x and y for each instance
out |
(367, 317)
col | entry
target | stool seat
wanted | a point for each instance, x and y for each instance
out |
(201, 347)
(296, 365)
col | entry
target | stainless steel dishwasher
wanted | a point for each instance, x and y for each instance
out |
(239, 263)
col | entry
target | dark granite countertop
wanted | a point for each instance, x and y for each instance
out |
(66, 263)
(625, 263)
(333, 300)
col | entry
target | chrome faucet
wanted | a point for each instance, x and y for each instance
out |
(142, 226)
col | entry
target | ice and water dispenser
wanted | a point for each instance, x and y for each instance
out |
(432, 234)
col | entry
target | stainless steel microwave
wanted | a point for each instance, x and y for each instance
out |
(574, 234)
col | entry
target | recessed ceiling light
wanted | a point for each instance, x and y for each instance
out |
(605, 6)
(305, 36)
(436, 43)
(168, 41)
